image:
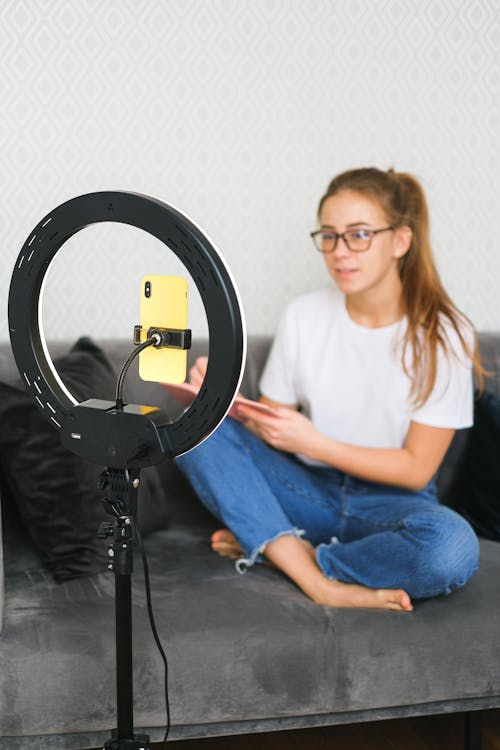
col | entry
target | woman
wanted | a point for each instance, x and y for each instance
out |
(337, 488)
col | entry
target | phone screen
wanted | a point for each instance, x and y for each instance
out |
(164, 304)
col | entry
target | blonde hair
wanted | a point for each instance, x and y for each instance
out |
(427, 306)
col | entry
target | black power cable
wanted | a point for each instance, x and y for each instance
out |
(152, 620)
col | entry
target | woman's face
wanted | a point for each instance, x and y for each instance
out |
(373, 271)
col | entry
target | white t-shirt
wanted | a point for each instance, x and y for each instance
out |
(349, 380)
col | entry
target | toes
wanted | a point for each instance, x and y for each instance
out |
(227, 550)
(225, 544)
(403, 599)
(398, 599)
(223, 535)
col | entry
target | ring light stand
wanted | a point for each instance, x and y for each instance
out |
(126, 437)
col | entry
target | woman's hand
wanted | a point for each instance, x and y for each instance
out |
(289, 431)
(197, 372)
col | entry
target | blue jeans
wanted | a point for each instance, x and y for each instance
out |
(367, 533)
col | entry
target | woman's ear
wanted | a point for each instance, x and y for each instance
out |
(402, 241)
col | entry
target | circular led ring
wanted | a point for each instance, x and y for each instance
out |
(227, 338)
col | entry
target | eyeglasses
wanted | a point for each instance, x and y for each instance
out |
(357, 240)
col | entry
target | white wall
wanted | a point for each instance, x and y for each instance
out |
(239, 112)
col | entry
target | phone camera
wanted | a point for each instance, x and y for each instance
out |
(147, 289)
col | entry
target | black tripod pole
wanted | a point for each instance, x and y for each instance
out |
(123, 621)
(121, 488)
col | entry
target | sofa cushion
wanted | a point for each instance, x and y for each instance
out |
(476, 490)
(54, 491)
(245, 653)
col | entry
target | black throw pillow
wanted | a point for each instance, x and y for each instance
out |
(56, 492)
(476, 492)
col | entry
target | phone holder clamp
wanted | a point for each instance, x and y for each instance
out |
(173, 338)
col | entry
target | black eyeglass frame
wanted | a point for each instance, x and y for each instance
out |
(343, 236)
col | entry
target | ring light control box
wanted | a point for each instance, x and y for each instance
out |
(97, 430)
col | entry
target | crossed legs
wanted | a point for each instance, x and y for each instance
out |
(395, 545)
(297, 558)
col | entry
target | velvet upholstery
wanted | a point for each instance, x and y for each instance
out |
(246, 653)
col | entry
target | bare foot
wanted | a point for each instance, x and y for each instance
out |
(298, 561)
(338, 594)
(296, 557)
(225, 544)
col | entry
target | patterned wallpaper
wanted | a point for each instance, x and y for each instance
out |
(239, 112)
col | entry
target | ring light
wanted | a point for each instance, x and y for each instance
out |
(126, 436)
(227, 339)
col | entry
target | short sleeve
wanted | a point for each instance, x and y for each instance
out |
(278, 378)
(450, 404)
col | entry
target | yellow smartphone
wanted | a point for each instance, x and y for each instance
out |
(164, 304)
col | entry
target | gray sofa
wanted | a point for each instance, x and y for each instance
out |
(246, 653)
